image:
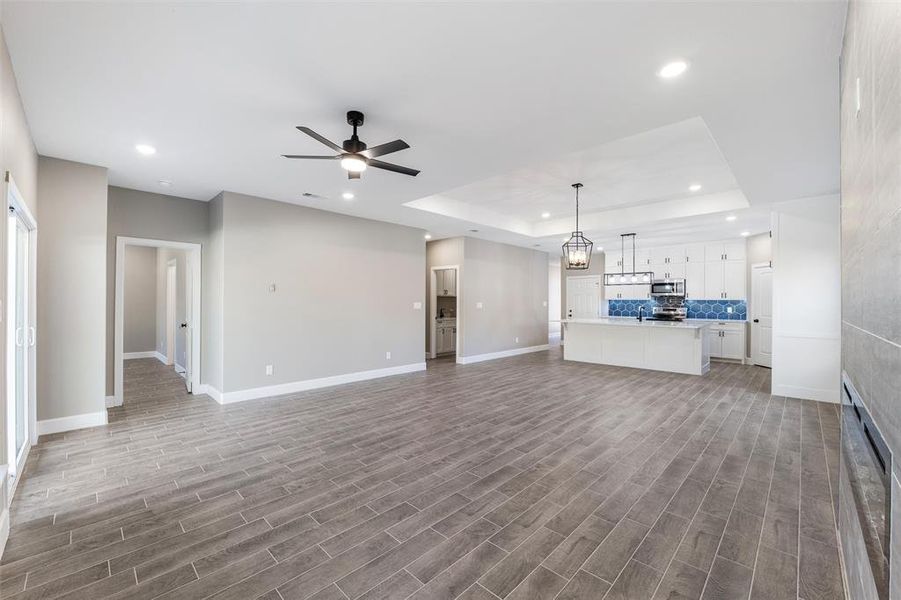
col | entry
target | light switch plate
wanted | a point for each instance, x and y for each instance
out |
(417, 306)
(268, 369)
(544, 303)
(271, 287)
(387, 355)
(478, 305)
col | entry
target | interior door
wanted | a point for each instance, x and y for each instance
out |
(762, 315)
(21, 339)
(187, 327)
(583, 297)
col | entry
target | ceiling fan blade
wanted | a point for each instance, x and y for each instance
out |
(352, 175)
(378, 164)
(319, 138)
(387, 148)
(309, 156)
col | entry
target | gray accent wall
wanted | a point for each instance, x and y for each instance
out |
(17, 156)
(343, 297)
(133, 213)
(212, 319)
(71, 288)
(871, 252)
(140, 299)
(511, 284)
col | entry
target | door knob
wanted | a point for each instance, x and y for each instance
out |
(184, 325)
(757, 320)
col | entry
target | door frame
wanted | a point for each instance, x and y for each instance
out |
(433, 307)
(195, 256)
(16, 201)
(752, 312)
(171, 311)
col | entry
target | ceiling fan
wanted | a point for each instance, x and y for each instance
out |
(354, 155)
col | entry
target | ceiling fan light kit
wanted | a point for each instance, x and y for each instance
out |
(577, 250)
(356, 156)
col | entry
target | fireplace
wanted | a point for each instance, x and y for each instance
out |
(868, 464)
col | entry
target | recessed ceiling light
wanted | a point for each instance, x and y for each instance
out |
(745, 233)
(545, 215)
(695, 187)
(672, 69)
(347, 195)
(428, 236)
(566, 239)
(145, 149)
(731, 218)
(165, 183)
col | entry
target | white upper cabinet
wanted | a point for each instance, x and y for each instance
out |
(735, 280)
(694, 253)
(694, 280)
(668, 255)
(725, 251)
(714, 280)
(446, 282)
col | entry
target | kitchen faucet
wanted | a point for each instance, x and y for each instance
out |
(640, 313)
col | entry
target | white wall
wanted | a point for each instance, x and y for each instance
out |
(140, 298)
(71, 357)
(344, 295)
(132, 213)
(511, 283)
(807, 299)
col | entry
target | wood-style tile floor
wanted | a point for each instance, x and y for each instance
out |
(521, 478)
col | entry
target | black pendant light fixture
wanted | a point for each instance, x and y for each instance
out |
(577, 251)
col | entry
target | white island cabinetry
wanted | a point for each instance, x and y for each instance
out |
(676, 347)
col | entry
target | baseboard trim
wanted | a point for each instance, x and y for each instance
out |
(48, 426)
(465, 360)
(205, 388)
(310, 384)
(112, 401)
(147, 354)
(804, 393)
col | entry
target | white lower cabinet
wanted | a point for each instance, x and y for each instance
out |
(727, 340)
(445, 339)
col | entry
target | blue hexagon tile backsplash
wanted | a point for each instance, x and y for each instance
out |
(697, 309)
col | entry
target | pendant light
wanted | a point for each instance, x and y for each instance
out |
(577, 251)
(633, 277)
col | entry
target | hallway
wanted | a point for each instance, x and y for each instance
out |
(526, 478)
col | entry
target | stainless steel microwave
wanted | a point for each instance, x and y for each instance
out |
(668, 287)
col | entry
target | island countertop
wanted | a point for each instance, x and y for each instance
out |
(633, 322)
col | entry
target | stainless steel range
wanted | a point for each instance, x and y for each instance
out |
(670, 312)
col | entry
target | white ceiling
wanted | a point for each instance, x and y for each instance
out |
(504, 104)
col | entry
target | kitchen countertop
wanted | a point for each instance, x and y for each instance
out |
(633, 322)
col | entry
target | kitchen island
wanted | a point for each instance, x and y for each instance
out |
(674, 346)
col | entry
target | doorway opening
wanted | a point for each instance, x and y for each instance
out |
(762, 314)
(21, 336)
(176, 306)
(444, 334)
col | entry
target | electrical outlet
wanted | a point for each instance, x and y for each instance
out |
(729, 309)
(516, 339)
(388, 355)
(268, 369)
(544, 304)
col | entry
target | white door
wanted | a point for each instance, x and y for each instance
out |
(762, 315)
(187, 327)
(713, 280)
(21, 339)
(735, 280)
(583, 297)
